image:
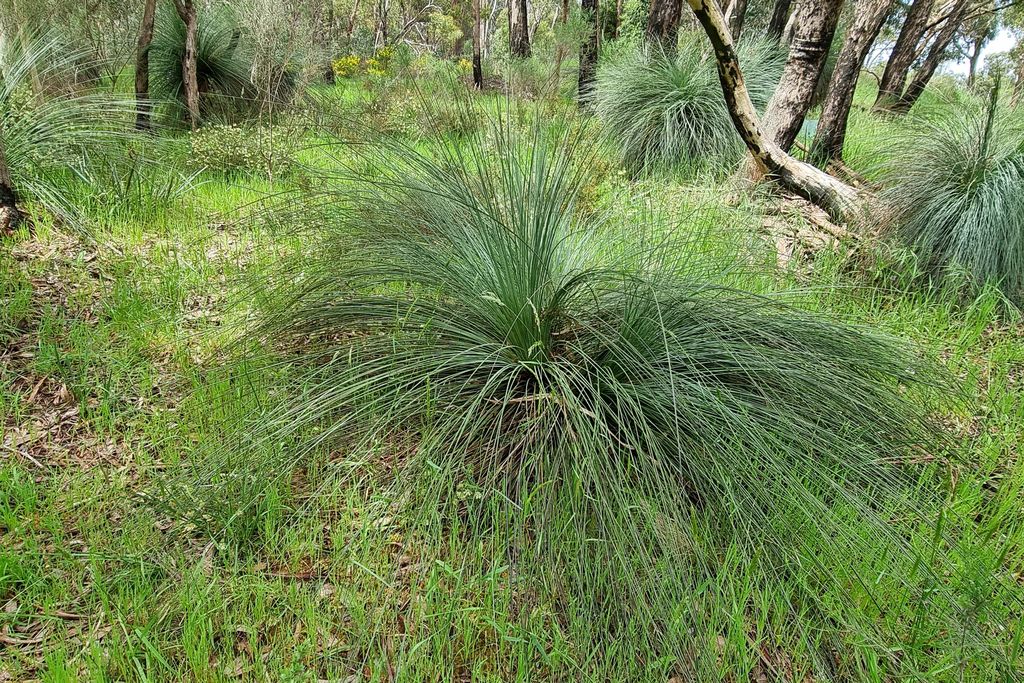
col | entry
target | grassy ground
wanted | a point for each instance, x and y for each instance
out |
(105, 388)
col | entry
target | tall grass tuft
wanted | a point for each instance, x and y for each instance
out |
(662, 111)
(686, 468)
(955, 195)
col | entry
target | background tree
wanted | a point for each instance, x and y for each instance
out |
(735, 14)
(808, 52)
(936, 54)
(663, 23)
(478, 70)
(779, 19)
(977, 32)
(890, 88)
(142, 121)
(189, 68)
(831, 132)
(588, 51)
(518, 29)
(836, 197)
(10, 216)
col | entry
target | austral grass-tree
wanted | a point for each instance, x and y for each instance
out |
(955, 192)
(223, 61)
(666, 111)
(42, 134)
(611, 419)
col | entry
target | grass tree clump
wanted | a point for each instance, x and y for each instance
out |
(677, 463)
(223, 65)
(54, 126)
(663, 111)
(956, 197)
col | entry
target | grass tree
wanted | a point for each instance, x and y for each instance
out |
(42, 134)
(955, 192)
(610, 417)
(223, 61)
(663, 111)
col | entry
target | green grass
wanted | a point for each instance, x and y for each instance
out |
(348, 588)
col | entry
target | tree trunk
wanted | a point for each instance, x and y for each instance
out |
(934, 58)
(189, 67)
(518, 29)
(737, 13)
(839, 199)
(588, 51)
(903, 53)
(352, 19)
(807, 55)
(979, 43)
(478, 69)
(831, 133)
(780, 17)
(663, 23)
(142, 103)
(10, 216)
(618, 18)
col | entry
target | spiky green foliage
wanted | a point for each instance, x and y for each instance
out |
(664, 111)
(52, 123)
(223, 64)
(608, 416)
(956, 197)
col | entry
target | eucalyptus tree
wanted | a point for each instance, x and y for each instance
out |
(663, 23)
(831, 132)
(142, 99)
(518, 29)
(804, 64)
(588, 51)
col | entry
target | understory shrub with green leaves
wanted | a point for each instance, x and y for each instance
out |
(587, 404)
(231, 149)
(664, 111)
(955, 196)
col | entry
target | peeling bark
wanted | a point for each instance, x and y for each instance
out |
(189, 67)
(903, 54)
(518, 29)
(142, 103)
(837, 198)
(831, 133)
(807, 55)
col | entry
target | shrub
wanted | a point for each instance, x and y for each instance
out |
(230, 149)
(663, 111)
(346, 67)
(955, 196)
(599, 399)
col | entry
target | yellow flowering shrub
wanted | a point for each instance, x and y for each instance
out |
(465, 65)
(346, 66)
